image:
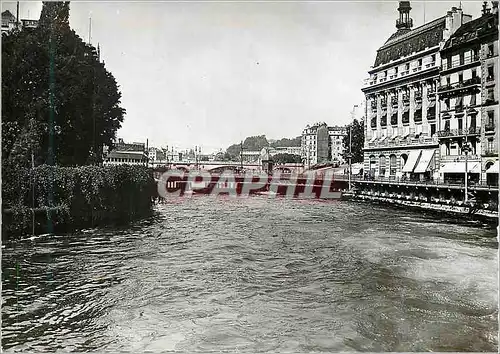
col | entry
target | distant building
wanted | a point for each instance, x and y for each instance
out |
(126, 153)
(321, 144)
(9, 22)
(292, 150)
(337, 135)
(250, 156)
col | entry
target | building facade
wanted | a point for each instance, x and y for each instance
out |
(337, 148)
(401, 94)
(127, 153)
(468, 100)
(316, 145)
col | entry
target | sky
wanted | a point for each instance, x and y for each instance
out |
(210, 74)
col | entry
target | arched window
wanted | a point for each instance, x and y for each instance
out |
(381, 165)
(392, 165)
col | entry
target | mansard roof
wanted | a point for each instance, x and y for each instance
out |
(405, 42)
(473, 30)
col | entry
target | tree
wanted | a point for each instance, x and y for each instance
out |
(54, 85)
(286, 158)
(358, 141)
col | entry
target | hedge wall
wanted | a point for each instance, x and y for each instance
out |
(69, 198)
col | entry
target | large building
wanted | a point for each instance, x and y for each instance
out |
(468, 97)
(401, 94)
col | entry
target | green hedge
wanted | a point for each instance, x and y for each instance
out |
(68, 198)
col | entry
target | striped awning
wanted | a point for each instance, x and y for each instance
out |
(425, 161)
(412, 161)
(459, 167)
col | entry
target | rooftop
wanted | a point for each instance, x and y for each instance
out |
(472, 30)
(405, 42)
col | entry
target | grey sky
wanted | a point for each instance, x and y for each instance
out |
(212, 73)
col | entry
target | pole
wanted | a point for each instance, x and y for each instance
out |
(466, 147)
(241, 154)
(350, 148)
(17, 16)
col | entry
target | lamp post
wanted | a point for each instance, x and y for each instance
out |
(466, 149)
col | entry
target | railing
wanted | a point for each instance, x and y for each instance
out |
(490, 153)
(428, 182)
(470, 82)
(429, 65)
(409, 141)
(459, 158)
(459, 62)
(404, 23)
(459, 132)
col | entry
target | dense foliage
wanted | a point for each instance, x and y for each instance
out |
(56, 94)
(286, 158)
(81, 197)
(358, 141)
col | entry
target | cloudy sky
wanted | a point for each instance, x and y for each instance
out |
(211, 73)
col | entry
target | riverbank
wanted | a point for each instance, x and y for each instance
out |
(489, 216)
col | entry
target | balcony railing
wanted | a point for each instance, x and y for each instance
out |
(490, 153)
(460, 85)
(409, 141)
(459, 132)
(459, 158)
(456, 63)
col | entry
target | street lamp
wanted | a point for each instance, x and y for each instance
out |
(466, 149)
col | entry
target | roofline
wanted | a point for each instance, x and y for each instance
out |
(414, 32)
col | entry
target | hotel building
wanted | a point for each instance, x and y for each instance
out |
(401, 94)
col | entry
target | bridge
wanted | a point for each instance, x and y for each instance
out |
(219, 166)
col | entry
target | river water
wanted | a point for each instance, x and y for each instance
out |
(255, 275)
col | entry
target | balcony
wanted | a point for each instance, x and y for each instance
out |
(489, 128)
(448, 133)
(460, 87)
(459, 158)
(458, 62)
(398, 142)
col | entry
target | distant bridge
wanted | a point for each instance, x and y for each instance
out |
(219, 166)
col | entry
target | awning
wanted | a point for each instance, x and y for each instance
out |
(373, 139)
(412, 161)
(395, 135)
(459, 167)
(458, 102)
(425, 161)
(383, 138)
(418, 106)
(493, 168)
(405, 135)
(394, 112)
(406, 109)
(431, 104)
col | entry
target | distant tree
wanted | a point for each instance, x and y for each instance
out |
(251, 143)
(285, 142)
(358, 141)
(286, 158)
